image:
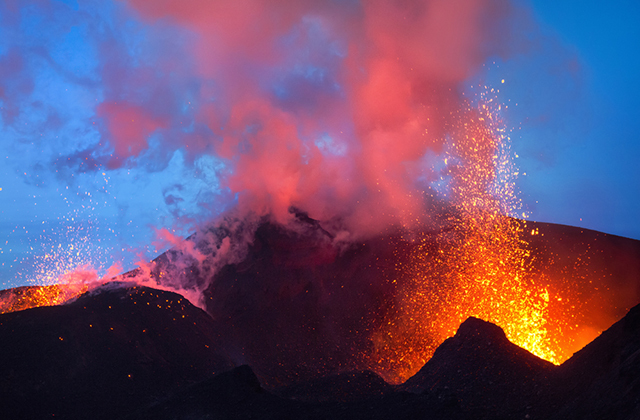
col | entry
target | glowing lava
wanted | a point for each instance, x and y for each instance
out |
(27, 297)
(60, 276)
(479, 264)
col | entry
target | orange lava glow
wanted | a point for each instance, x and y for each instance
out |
(479, 264)
(27, 297)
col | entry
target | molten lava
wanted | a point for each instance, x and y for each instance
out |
(480, 263)
(27, 297)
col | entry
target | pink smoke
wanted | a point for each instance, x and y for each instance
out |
(329, 107)
(129, 127)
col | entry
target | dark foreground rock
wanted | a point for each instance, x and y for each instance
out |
(104, 354)
(238, 395)
(601, 381)
(139, 353)
(344, 387)
(489, 376)
(477, 374)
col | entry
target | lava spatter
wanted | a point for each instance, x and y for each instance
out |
(478, 264)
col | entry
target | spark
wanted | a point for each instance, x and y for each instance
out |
(479, 264)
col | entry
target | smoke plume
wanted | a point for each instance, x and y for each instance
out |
(327, 107)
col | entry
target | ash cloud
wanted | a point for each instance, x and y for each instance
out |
(260, 107)
(329, 107)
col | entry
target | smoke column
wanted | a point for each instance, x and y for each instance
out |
(338, 109)
(328, 107)
(166, 114)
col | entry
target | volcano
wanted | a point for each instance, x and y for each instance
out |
(291, 326)
(299, 304)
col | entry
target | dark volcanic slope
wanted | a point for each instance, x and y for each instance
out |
(300, 307)
(601, 381)
(477, 374)
(297, 306)
(103, 354)
(482, 369)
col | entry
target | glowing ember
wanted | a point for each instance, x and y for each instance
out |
(61, 274)
(27, 297)
(60, 289)
(478, 265)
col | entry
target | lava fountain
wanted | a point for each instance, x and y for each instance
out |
(486, 261)
(478, 264)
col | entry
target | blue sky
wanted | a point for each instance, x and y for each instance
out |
(592, 177)
(70, 198)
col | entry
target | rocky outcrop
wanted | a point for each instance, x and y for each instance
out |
(482, 370)
(108, 352)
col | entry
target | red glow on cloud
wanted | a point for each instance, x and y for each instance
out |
(166, 239)
(129, 127)
(378, 79)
